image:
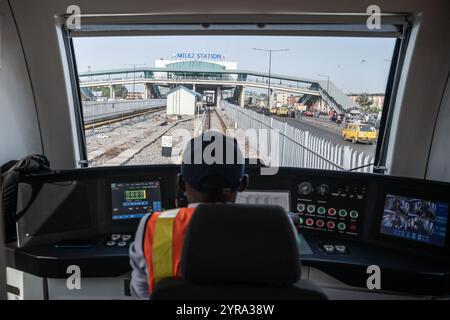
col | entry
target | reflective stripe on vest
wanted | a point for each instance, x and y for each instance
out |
(163, 243)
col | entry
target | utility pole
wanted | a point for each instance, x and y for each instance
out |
(270, 68)
(134, 77)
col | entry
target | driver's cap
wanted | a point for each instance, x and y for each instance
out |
(213, 163)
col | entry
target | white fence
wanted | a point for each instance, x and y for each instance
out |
(296, 147)
(94, 110)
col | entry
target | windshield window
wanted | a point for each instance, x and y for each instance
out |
(286, 99)
(367, 129)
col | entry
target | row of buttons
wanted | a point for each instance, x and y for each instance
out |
(330, 224)
(311, 208)
(111, 243)
(351, 196)
(124, 237)
(330, 249)
(121, 240)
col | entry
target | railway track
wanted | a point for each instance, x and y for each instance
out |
(213, 121)
(206, 120)
(122, 117)
(127, 154)
(223, 126)
(122, 152)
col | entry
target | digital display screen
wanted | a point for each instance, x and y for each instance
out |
(415, 219)
(133, 200)
(264, 198)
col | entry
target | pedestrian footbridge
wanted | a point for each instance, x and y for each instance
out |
(214, 79)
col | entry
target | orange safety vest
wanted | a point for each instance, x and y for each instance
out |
(163, 243)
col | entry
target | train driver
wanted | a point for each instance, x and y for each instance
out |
(212, 171)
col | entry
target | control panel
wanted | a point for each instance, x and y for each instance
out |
(330, 207)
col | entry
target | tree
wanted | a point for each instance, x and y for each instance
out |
(374, 110)
(364, 101)
(120, 91)
(311, 101)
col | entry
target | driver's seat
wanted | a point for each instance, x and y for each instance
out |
(236, 251)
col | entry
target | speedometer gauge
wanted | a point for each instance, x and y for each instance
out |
(305, 188)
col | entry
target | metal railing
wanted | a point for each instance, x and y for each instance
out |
(289, 146)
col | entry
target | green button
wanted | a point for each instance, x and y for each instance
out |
(343, 213)
(354, 214)
(341, 226)
(321, 210)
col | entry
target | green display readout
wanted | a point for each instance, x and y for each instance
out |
(133, 195)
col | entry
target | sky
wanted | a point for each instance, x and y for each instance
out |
(355, 65)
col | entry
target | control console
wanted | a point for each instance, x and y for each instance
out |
(346, 222)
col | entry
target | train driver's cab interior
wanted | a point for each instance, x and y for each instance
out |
(321, 172)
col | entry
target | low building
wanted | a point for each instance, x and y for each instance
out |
(376, 99)
(292, 100)
(281, 98)
(183, 101)
(135, 95)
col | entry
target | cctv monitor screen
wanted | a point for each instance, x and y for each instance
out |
(133, 200)
(415, 219)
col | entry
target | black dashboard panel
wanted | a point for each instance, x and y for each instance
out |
(339, 215)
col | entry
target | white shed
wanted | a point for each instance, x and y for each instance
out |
(183, 101)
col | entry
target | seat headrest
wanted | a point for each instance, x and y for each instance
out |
(241, 244)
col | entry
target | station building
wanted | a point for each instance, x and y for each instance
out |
(198, 67)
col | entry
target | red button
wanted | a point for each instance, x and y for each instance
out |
(353, 227)
(332, 211)
(320, 223)
(309, 222)
(331, 225)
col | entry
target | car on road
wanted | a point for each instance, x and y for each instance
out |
(308, 113)
(273, 110)
(360, 132)
(265, 111)
(283, 112)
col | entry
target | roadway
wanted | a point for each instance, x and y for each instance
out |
(329, 130)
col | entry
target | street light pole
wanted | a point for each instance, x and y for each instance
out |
(134, 82)
(268, 85)
(270, 68)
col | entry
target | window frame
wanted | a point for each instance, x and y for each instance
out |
(391, 91)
